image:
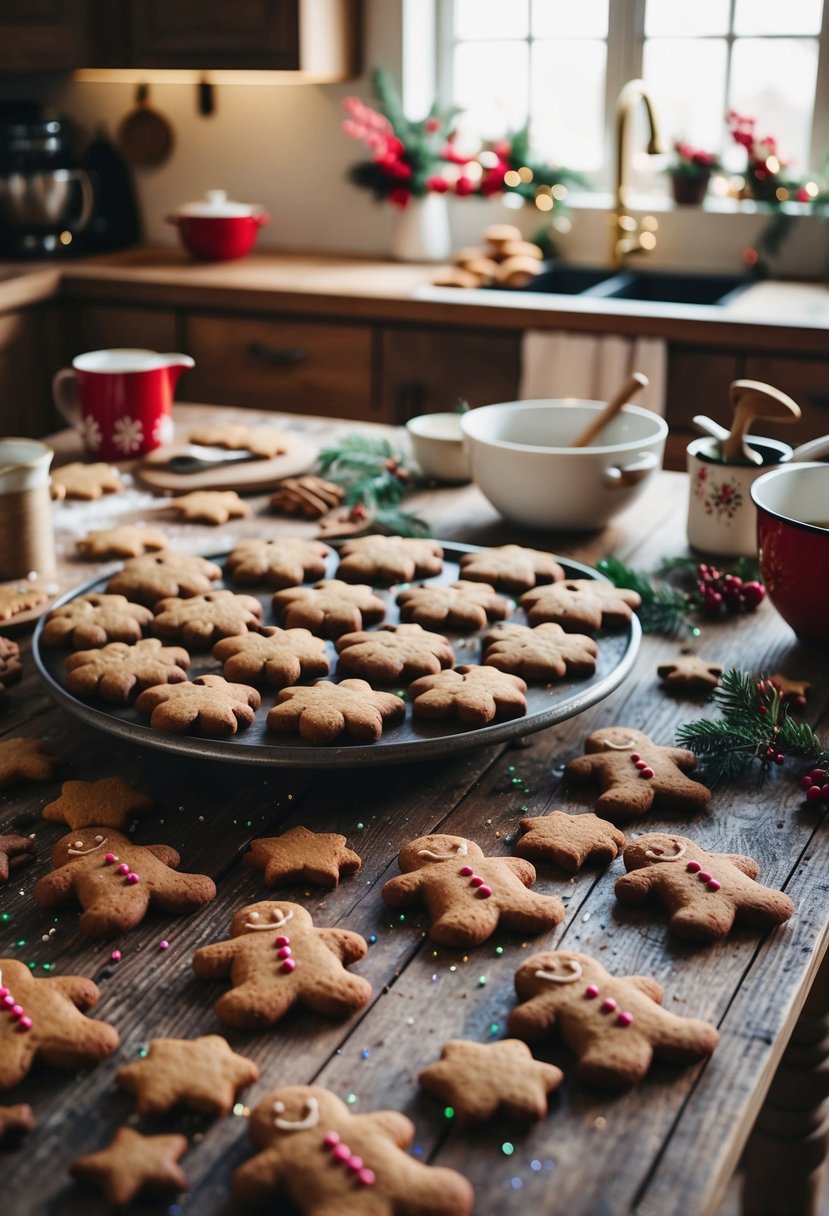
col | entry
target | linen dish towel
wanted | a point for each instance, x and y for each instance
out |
(591, 366)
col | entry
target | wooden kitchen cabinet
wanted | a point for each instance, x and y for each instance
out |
(53, 35)
(101, 326)
(27, 362)
(425, 371)
(280, 364)
(698, 381)
(807, 381)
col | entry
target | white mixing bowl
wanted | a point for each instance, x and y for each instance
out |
(519, 456)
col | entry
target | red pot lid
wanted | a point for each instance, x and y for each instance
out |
(217, 206)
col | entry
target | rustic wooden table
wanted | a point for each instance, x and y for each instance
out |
(668, 1147)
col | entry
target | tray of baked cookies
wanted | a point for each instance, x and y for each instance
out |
(287, 651)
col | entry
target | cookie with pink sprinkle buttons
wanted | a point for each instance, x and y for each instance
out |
(703, 893)
(314, 1152)
(466, 894)
(278, 960)
(116, 881)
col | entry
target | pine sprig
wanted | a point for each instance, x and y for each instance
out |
(755, 727)
(375, 476)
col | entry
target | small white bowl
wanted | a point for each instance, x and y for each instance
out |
(520, 457)
(438, 446)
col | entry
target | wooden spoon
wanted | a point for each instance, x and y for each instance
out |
(752, 399)
(633, 385)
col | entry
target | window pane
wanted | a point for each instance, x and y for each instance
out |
(563, 19)
(491, 18)
(491, 87)
(775, 82)
(772, 17)
(567, 107)
(667, 19)
(673, 71)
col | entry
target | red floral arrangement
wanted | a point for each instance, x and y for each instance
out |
(693, 162)
(765, 164)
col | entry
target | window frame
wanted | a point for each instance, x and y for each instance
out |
(625, 53)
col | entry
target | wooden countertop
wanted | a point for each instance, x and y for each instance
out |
(666, 1149)
(795, 317)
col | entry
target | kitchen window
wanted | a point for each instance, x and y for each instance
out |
(563, 63)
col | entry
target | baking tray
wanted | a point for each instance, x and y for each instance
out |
(412, 740)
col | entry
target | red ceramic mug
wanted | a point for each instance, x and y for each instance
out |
(120, 400)
(793, 538)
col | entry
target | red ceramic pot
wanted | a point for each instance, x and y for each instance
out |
(793, 538)
(217, 230)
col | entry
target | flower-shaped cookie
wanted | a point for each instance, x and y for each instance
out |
(546, 652)
(116, 671)
(395, 652)
(156, 576)
(330, 608)
(126, 540)
(93, 620)
(14, 602)
(278, 561)
(210, 705)
(389, 559)
(201, 620)
(263, 441)
(462, 605)
(581, 603)
(473, 695)
(210, 506)
(85, 481)
(276, 656)
(511, 568)
(325, 712)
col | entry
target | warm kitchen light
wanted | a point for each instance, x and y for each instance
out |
(543, 202)
(559, 193)
(511, 178)
(525, 173)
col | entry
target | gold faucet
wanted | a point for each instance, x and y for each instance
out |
(629, 236)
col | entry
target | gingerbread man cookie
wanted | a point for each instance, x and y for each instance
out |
(210, 705)
(214, 507)
(15, 851)
(615, 1025)
(93, 620)
(276, 656)
(569, 840)
(389, 559)
(689, 673)
(463, 605)
(278, 561)
(85, 481)
(157, 576)
(126, 540)
(110, 802)
(300, 855)
(202, 1074)
(134, 1163)
(44, 1019)
(392, 653)
(474, 695)
(276, 959)
(546, 652)
(480, 1080)
(14, 602)
(580, 604)
(466, 894)
(25, 760)
(314, 1151)
(115, 881)
(200, 620)
(511, 568)
(330, 608)
(325, 712)
(635, 774)
(703, 893)
(116, 672)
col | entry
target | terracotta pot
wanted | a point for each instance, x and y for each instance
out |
(690, 189)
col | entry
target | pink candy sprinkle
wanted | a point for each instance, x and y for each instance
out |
(641, 765)
(123, 868)
(26, 1023)
(635, 756)
(282, 940)
(466, 871)
(647, 773)
(8, 1000)
(116, 956)
(608, 1005)
(17, 1011)
(3, 992)
(341, 1152)
(355, 1163)
(331, 1139)
(484, 892)
(476, 881)
(164, 944)
(366, 1177)
(284, 952)
(704, 876)
(693, 867)
(110, 859)
(591, 991)
(713, 885)
(132, 879)
(624, 1018)
(289, 965)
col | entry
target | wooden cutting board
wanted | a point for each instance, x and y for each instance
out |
(247, 476)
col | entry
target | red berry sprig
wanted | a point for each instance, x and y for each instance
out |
(726, 594)
(816, 785)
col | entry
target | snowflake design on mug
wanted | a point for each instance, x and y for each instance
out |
(90, 433)
(163, 430)
(128, 434)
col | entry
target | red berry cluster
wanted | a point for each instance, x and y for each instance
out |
(816, 785)
(726, 594)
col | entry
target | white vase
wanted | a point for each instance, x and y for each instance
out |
(421, 230)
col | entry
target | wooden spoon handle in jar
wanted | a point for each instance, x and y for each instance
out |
(633, 385)
(753, 399)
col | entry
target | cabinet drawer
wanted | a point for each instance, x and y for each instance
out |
(281, 365)
(101, 326)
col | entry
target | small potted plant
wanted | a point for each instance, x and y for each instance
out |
(764, 170)
(690, 172)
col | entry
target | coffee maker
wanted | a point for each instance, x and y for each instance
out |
(46, 200)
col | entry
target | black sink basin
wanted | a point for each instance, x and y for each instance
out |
(676, 288)
(568, 280)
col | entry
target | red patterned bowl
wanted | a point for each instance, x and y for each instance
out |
(793, 538)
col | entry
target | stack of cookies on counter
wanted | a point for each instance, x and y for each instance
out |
(504, 259)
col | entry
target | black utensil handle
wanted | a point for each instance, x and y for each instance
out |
(278, 356)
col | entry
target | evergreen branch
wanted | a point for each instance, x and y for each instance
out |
(663, 609)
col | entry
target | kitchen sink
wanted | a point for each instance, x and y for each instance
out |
(568, 280)
(670, 288)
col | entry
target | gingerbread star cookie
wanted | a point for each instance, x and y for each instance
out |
(15, 1123)
(569, 840)
(614, 1024)
(201, 620)
(511, 568)
(480, 1080)
(15, 851)
(14, 602)
(210, 705)
(393, 653)
(703, 893)
(462, 605)
(689, 673)
(635, 773)
(263, 441)
(85, 481)
(467, 894)
(201, 1074)
(11, 669)
(474, 695)
(275, 656)
(210, 506)
(300, 855)
(545, 652)
(116, 672)
(155, 576)
(110, 802)
(389, 559)
(93, 620)
(580, 604)
(793, 692)
(330, 608)
(126, 540)
(312, 1151)
(277, 562)
(325, 712)
(276, 959)
(115, 881)
(134, 1164)
(43, 1018)
(25, 760)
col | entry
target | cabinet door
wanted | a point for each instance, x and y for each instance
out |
(26, 360)
(427, 371)
(807, 381)
(55, 35)
(101, 326)
(215, 34)
(274, 364)
(698, 381)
